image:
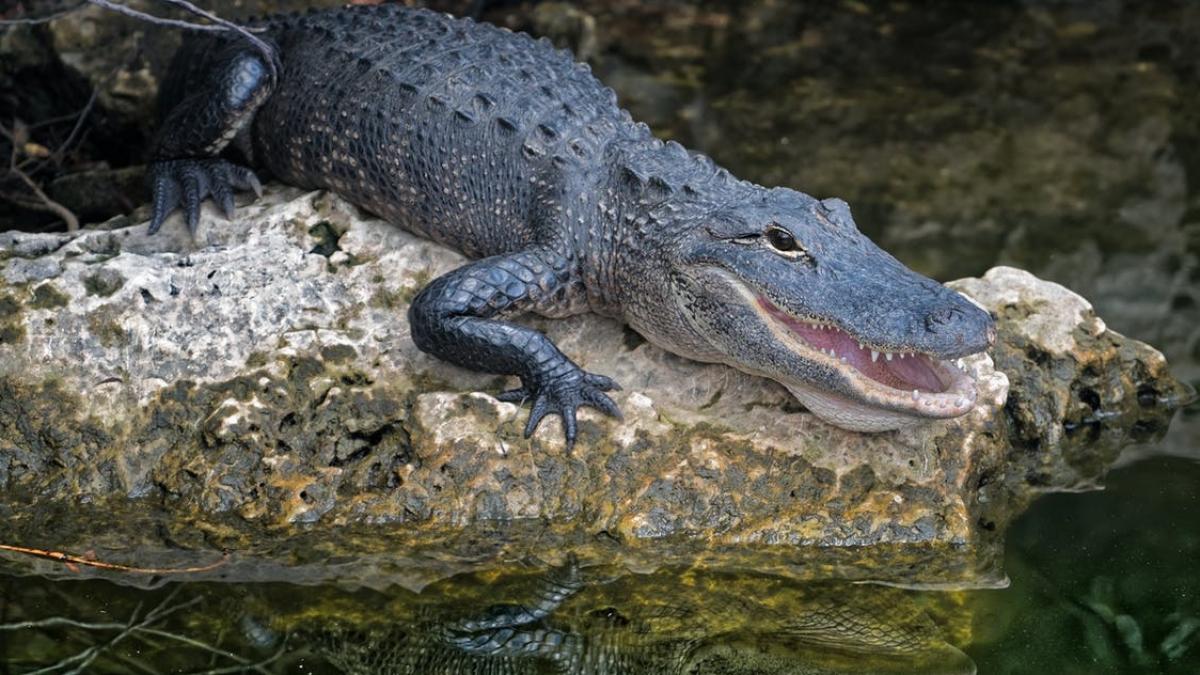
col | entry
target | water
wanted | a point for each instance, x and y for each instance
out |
(1101, 582)
(1061, 137)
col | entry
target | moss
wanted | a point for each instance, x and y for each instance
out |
(11, 330)
(103, 283)
(44, 436)
(256, 360)
(47, 296)
(338, 353)
(382, 298)
(241, 388)
(11, 334)
(302, 369)
(355, 378)
(107, 329)
(9, 307)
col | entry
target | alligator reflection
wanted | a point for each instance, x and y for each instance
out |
(660, 623)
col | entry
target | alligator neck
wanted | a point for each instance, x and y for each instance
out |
(651, 191)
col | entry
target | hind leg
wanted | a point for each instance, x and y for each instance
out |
(215, 105)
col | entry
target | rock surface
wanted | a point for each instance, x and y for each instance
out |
(257, 390)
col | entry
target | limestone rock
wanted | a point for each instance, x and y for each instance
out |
(257, 390)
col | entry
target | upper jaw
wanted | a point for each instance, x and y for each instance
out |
(901, 380)
(872, 392)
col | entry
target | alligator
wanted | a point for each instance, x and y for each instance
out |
(665, 624)
(509, 151)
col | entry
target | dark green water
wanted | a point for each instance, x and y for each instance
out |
(1063, 137)
(1102, 582)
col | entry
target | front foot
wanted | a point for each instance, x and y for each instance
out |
(563, 394)
(188, 182)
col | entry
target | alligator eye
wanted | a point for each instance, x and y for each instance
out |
(782, 240)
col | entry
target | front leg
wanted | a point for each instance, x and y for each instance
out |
(452, 318)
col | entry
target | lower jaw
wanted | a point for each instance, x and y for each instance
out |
(851, 415)
(855, 415)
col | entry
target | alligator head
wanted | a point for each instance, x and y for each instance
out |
(785, 286)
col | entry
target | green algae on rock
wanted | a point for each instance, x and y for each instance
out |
(238, 388)
(11, 329)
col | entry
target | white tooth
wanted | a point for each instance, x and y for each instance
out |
(887, 355)
(916, 394)
(860, 346)
(874, 356)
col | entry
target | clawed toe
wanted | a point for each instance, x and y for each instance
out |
(186, 183)
(563, 397)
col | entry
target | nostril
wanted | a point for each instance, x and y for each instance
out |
(938, 319)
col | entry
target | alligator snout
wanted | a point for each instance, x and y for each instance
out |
(963, 325)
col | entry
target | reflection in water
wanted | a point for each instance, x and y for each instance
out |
(567, 621)
(665, 623)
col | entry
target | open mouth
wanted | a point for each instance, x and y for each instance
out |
(895, 379)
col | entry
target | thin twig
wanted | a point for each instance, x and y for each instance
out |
(54, 120)
(136, 663)
(221, 25)
(203, 646)
(142, 628)
(23, 201)
(35, 20)
(79, 560)
(259, 666)
(161, 21)
(61, 150)
(54, 207)
(60, 622)
(162, 611)
(88, 655)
